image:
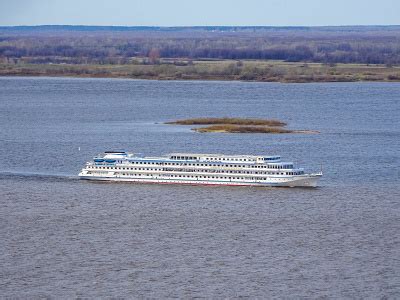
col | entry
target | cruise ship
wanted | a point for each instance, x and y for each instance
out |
(198, 169)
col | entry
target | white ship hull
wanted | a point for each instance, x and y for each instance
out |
(298, 181)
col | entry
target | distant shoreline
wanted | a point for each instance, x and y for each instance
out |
(225, 53)
(222, 70)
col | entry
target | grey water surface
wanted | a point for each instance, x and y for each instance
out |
(61, 237)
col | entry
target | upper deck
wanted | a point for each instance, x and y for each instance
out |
(223, 158)
(192, 166)
(198, 160)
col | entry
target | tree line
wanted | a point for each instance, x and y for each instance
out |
(368, 46)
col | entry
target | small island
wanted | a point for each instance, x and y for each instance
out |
(239, 125)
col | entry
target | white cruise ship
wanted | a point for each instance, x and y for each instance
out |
(198, 169)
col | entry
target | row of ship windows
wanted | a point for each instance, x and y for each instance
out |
(225, 171)
(210, 165)
(210, 158)
(220, 159)
(205, 171)
(197, 177)
(183, 170)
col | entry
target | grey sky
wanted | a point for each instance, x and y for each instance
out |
(205, 12)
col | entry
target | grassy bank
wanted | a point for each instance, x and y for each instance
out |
(242, 129)
(239, 125)
(249, 70)
(229, 121)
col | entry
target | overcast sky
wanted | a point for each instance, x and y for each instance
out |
(204, 12)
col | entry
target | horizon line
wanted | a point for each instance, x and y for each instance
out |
(203, 26)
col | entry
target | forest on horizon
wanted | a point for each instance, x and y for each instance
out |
(124, 45)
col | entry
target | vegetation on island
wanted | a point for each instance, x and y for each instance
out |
(239, 125)
(229, 121)
(242, 129)
(270, 54)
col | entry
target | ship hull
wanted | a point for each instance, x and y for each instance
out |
(310, 180)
